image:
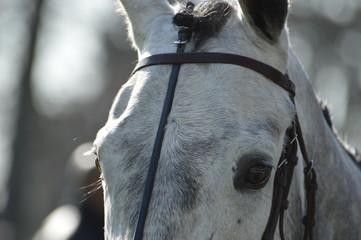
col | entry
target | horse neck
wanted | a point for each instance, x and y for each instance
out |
(339, 179)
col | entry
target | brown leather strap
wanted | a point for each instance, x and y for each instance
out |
(211, 57)
(183, 36)
(281, 187)
(310, 186)
(282, 184)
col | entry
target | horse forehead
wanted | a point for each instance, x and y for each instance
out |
(194, 140)
(213, 105)
(202, 114)
(210, 99)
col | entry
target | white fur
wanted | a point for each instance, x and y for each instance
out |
(218, 107)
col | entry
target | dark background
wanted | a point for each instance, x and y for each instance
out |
(61, 64)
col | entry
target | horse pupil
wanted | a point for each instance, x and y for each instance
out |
(258, 174)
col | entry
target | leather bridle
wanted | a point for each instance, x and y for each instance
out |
(287, 161)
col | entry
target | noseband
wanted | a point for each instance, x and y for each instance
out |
(287, 161)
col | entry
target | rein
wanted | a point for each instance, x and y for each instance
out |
(287, 161)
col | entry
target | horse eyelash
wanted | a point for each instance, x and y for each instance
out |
(93, 188)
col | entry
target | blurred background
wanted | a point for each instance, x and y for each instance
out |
(61, 64)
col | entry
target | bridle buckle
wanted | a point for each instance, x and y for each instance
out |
(310, 167)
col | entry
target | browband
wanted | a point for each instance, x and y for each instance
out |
(212, 57)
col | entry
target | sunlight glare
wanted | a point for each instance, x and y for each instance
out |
(60, 224)
(81, 159)
(71, 56)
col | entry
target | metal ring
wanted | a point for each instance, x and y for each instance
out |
(283, 162)
(295, 138)
(311, 165)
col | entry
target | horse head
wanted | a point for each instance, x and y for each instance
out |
(224, 135)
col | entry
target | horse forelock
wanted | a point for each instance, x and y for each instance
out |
(205, 21)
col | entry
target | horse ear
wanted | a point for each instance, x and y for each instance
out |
(139, 14)
(267, 16)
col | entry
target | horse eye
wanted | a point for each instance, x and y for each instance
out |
(254, 177)
(98, 165)
(257, 176)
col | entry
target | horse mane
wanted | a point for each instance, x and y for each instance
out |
(205, 20)
(353, 152)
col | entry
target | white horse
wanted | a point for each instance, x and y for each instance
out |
(224, 119)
